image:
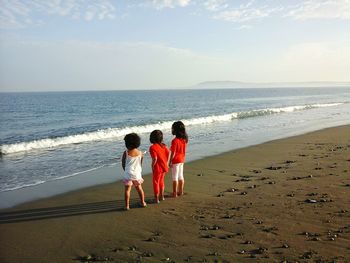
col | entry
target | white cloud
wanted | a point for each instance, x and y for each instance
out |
(246, 12)
(160, 4)
(324, 9)
(215, 5)
(22, 13)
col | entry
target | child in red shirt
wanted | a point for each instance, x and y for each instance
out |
(177, 157)
(160, 155)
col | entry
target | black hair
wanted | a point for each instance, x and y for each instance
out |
(156, 137)
(178, 129)
(132, 141)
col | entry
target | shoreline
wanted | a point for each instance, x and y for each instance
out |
(286, 199)
(112, 173)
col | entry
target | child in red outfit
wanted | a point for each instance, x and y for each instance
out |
(160, 155)
(177, 157)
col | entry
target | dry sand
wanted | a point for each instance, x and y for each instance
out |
(282, 201)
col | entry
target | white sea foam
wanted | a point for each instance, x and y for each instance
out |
(110, 133)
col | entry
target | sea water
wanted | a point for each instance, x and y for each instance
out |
(54, 142)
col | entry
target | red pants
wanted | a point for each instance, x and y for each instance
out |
(158, 183)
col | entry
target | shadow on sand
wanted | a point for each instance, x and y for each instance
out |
(65, 211)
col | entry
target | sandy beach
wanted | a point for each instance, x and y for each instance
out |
(283, 201)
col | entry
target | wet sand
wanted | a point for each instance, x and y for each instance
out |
(283, 201)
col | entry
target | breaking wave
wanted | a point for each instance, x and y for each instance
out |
(111, 133)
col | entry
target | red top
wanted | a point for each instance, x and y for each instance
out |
(161, 153)
(178, 148)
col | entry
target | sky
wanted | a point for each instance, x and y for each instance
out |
(56, 45)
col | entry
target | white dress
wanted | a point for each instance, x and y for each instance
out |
(133, 168)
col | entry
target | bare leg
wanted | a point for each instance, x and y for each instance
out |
(174, 188)
(127, 196)
(181, 187)
(161, 187)
(141, 195)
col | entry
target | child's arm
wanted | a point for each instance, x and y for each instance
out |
(154, 160)
(123, 160)
(171, 156)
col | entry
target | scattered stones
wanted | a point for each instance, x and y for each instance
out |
(243, 193)
(310, 176)
(253, 186)
(220, 195)
(272, 182)
(213, 254)
(318, 168)
(200, 174)
(248, 242)
(285, 246)
(264, 178)
(242, 252)
(316, 239)
(259, 222)
(291, 195)
(231, 190)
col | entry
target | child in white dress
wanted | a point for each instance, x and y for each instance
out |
(132, 166)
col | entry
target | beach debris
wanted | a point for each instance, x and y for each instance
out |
(165, 259)
(270, 229)
(290, 161)
(264, 178)
(147, 254)
(207, 236)
(285, 245)
(214, 227)
(151, 239)
(307, 255)
(310, 201)
(272, 167)
(255, 171)
(242, 252)
(93, 258)
(310, 176)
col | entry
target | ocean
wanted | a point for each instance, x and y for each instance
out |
(53, 142)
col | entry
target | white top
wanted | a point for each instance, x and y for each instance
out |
(133, 168)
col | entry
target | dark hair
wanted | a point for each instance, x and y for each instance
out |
(156, 137)
(178, 129)
(132, 141)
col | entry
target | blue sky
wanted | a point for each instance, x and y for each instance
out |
(101, 45)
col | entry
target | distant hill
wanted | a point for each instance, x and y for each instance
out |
(239, 84)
